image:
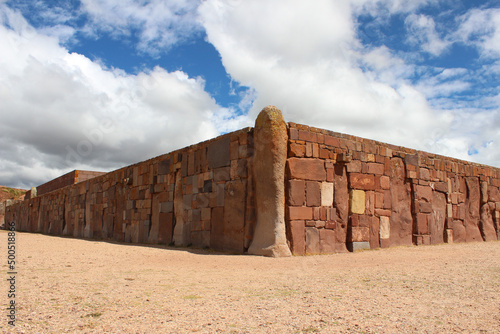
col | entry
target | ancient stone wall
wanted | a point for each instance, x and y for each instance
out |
(305, 190)
(346, 192)
(200, 196)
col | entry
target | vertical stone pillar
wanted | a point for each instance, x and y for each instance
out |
(270, 155)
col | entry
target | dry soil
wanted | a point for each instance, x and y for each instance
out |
(65, 285)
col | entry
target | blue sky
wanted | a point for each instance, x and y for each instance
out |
(100, 84)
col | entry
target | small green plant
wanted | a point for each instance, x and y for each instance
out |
(14, 192)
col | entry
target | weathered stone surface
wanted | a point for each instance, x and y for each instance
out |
(300, 213)
(472, 203)
(341, 204)
(486, 225)
(234, 216)
(297, 235)
(357, 201)
(219, 152)
(401, 218)
(306, 169)
(362, 181)
(217, 229)
(327, 241)
(180, 237)
(326, 194)
(374, 233)
(296, 192)
(313, 193)
(437, 220)
(423, 193)
(312, 241)
(459, 231)
(385, 227)
(484, 192)
(359, 234)
(270, 156)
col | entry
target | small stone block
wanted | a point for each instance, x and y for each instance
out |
(358, 246)
(326, 194)
(385, 227)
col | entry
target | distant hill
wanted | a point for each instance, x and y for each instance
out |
(11, 193)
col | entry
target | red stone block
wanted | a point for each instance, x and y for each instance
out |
(422, 225)
(300, 213)
(375, 168)
(423, 193)
(312, 241)
(327, 241)
(296, 192)
(297, 236)
(354, 220)
(306, 169)
(382, 212)
(313, 193)
(297, 150)
(362, 181)
(330, 224)
(332, 141)
(359, 234)
(294, 134)
(379, 200)
(307, 136)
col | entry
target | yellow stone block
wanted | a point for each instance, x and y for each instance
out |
(357, 201)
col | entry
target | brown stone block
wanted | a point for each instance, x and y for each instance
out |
(316, 213)
(422, 224)
(219, 153)
(300, 213)
(493, 194)
(327, 241)
(313, 193)
(234, 150)
(370, 203)
(330, 224)
(425, 174)
(294, 134)
(309, 150)
(385, 182)
(217, 231)
(354, 166)
(324, 153)
(312, 241)
(359, 234)
(310, 223)
(354, 220)
(296, 192)
(425, 207)
(297, 232)
(297, 150)
(307, 136)
(441, 187)
(423, 193)
(382, 212)
(332, 141)
(379, 200)
(306, 169)
(362, 181)
(375, 168)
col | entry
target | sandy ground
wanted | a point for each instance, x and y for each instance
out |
(66, 285)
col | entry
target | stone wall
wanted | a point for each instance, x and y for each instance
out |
(346, 192)
(200, 196)
(305, 190)
(65, 180)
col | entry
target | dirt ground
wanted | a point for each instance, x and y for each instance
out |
(65, 285)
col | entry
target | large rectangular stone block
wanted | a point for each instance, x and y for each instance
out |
(300, 213)
(313, 193)
(296, 192)
(362, 181)
(219, 153)
(326, 194)
(306, 169)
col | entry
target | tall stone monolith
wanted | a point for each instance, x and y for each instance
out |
(270, 154)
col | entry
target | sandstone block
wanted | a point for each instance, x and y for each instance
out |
(219, 153)
(375, 168)
(385, 182)
(362, 181)
(326, 194)
(357, 201)
(327, 241)
(423, 193)
(300, 213)
(306, 169)
(296, 192)
(297, 150)
(313, 193)
(298, 237)
(385, 227)
(312, 241)
(360, 234)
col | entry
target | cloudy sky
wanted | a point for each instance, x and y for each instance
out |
(100, 84)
